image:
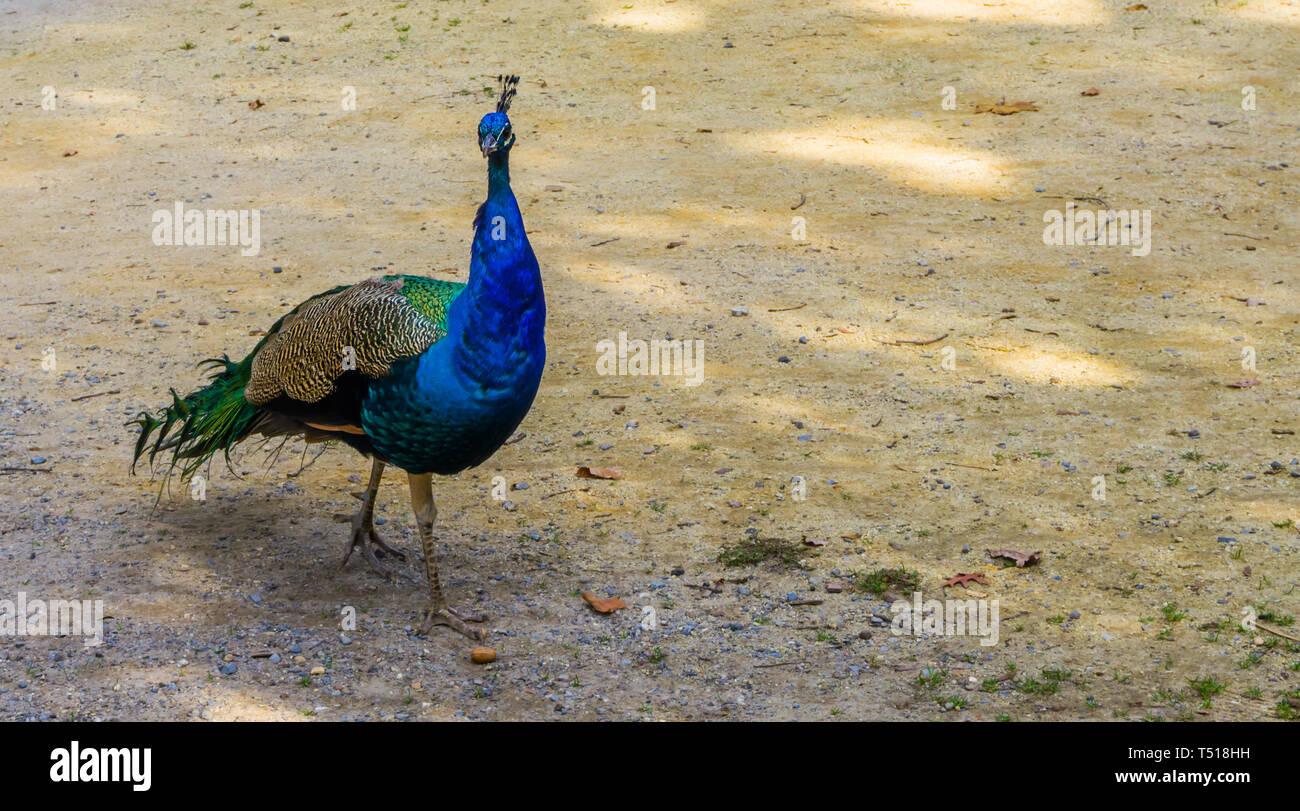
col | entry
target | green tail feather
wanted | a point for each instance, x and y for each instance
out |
(211, 419)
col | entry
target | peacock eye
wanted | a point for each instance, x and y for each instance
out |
(505, 133)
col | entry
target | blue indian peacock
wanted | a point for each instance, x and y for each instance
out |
(427, 375)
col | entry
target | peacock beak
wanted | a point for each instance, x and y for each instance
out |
(488, 144)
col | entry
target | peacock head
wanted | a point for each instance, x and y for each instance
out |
(494, 131)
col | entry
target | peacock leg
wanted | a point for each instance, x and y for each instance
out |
(363, 527)
(439, 612)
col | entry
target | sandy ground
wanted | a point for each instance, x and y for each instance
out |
(1057, 363)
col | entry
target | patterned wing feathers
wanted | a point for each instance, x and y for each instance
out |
(366, 327)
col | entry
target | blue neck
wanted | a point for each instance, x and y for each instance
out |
(496, 324)
(503, 270)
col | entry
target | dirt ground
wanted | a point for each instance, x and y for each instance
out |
(920, 219)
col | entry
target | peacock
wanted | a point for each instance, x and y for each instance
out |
(427, 375)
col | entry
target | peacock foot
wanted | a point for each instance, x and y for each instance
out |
(454, 619)
(364, 536)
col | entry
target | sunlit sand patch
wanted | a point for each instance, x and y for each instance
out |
(1010, 11)
(903, 151)
(1035, 365)
(662, 18)
(243, 707)
(1272, 12)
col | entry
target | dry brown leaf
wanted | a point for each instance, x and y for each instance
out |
(1136, 7)
(963, 579)
(606, 606)
(852, 536)
(256, 104)
(814, 541)
(586, 472)
(1002, 108)
(1092, 91)
(1022, 559)
(1244, 383)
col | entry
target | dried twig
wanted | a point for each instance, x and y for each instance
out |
(1276, 632)
(562, 492)
(913, 343)
(96, 394)
(973, 467)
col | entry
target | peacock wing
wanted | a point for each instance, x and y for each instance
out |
(365, 327)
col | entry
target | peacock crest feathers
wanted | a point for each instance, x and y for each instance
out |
(509, 87)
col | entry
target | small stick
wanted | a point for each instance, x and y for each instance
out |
(802, 199)
(705, 587)
(781, 664)
(605, 242)
(37, 303)
(23, 470)
(1276, 632)
(562, 492)
(96, 394)
(787, 309)
(913, 343)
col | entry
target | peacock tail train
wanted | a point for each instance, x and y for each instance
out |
(211, 420)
